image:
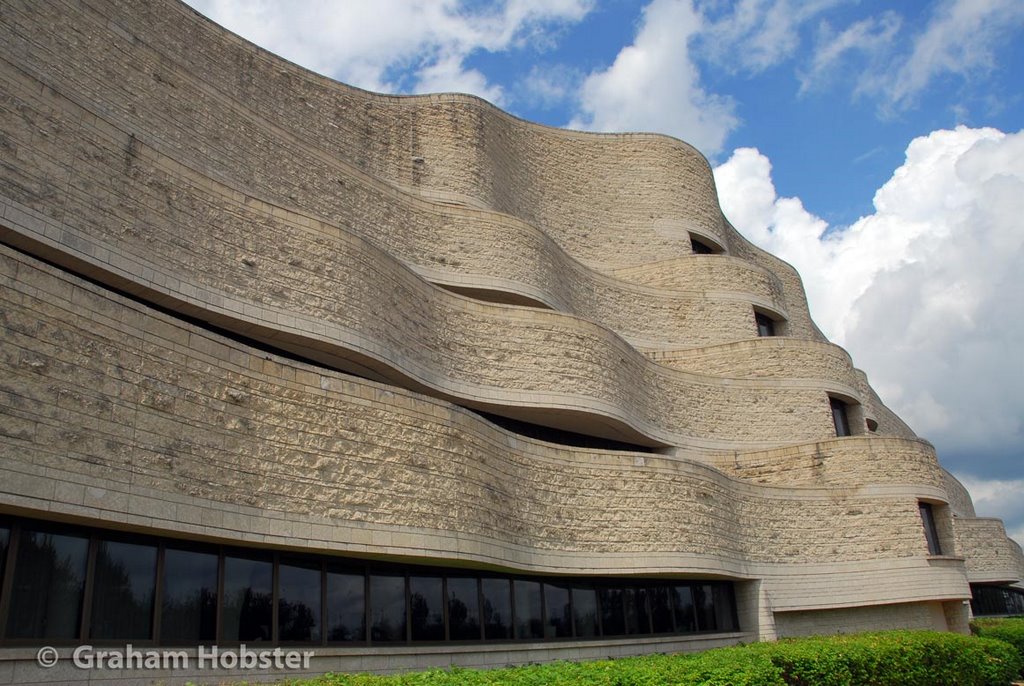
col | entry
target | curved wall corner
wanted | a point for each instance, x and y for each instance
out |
(255, 311)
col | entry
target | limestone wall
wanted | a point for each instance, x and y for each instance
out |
(146, 92)
(902, 616)
(245, 263)
(990, 556)
(309, 219)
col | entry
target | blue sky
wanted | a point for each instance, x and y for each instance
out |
(876, 146)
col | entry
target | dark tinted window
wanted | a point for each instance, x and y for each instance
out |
(584, 608)
(497, 608)
(704, 602)
(123, 591)
(661, 609)
(839, 417)
(5, 538)
(765, 325)
(346, 606)
(613, 618)
(463, 609)
(49, 580)
(426, 608)
(189, 607)
(643, 610)
(529, 623)
(725, 613)
(700, 248)
(637, 621)
(298, 604)
(931, 534)
(387, 607)
(682, 605)
(558, 623)
(248, 599)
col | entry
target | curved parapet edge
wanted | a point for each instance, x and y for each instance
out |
(247, 264)
(991, 556)
(960, 501)
(208, 146)
(149, 422)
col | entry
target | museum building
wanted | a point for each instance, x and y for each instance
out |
(410, 382)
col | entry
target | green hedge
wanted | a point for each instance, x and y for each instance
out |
(893, 658)
(1010, 629)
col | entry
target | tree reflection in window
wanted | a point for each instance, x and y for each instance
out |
(497, 608)
(248, 599)
(48, 584)
(298, 605)
(426, 612)
(189, 607)
(123, 590)
(346, 606)
(387, 607)
(529, 622)
(558, 623)
(463, 609)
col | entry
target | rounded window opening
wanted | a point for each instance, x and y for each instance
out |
(701, 245)
(768, 324)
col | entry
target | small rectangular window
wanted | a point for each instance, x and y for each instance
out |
(123, 590)
(426, 608)
(48, 585)
(931, 534)
(346, 605)
(704, 603)
(637, 619)
(613, 617)
(661, 610)
(189, 604)
(298, 603)
(682, 605)
(839, 417)
(765, 325)
(497, 608)
(559, 619)
(248, 599)
(584, 607)
(529, 615)
(387, 607)
(463, 609)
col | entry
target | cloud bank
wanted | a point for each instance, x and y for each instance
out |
(395, 45)
(926, 293)
(931, 282)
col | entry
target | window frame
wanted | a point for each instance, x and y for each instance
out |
(324, 564)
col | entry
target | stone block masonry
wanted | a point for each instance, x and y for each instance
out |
(411, 382)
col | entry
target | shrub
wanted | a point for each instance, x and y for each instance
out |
(1010, 629)
(892, 658)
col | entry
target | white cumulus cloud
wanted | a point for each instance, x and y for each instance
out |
(960, 38)
(654, 85)
(757, 34)
(927, 293)
(393, 45)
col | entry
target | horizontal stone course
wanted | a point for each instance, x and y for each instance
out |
(202, 421)
(228, 234)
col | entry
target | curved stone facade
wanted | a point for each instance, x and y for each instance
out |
(258, 307)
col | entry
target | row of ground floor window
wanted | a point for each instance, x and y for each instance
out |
(996, 600)
(61, 582)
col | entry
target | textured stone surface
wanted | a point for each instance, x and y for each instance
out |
(347, 228)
